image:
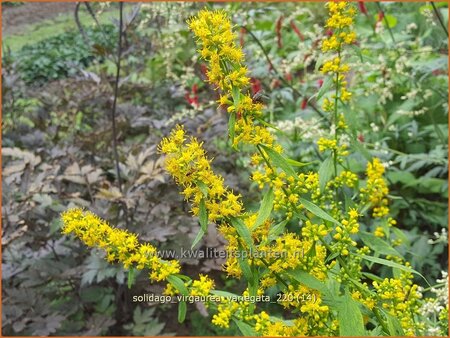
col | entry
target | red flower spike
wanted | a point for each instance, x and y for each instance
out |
(362, 7)
(361, 138)
(297, 31)
(255, 85)
(320, 83)
(278, 31)
(304, 103)
(243, 31)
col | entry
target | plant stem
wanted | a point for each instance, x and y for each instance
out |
(116, 92)
(336, 100)
(438, 15)
(277, 276)
(386, 23)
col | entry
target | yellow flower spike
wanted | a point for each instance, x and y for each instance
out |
(186, 161)
(119, 244)
(376, 190)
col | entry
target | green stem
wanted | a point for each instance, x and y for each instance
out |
(438, 15)
(277, 276)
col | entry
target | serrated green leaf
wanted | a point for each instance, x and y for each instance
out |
(350, 318)
(310, 206)
(265, 209)
(279, 161)
(182, 307)
(178, 284)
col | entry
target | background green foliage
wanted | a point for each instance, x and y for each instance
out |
(56, 132)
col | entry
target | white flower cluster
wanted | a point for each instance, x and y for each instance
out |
(412, 113)
(428, 14)
(310, 130)
(434, 309)
(441, 237)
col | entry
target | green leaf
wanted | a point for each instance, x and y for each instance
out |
(317, 211)
(225, 294)
(276, 230)
(246, 330)
(265, 209)
(295, 163)
(394, 326)
(245, 267)
(400, 234)
(325, 172)
(203, 215)
(310, 281)
(182, 307)
(236, 94)
(392, 265)
(389, 19)
(326, 87)
(350, 318)
(131, 277)
(178, 284)
(197, 238)
(372, 276)
(279, 161)
(377, 244)
(242, 231)
(203, 188)
(360, 149)
(331, 257)
(231, 126)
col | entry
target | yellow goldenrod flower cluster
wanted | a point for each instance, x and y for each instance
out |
(376, 189)
(202, 287)
(119, 244)
(340, 23)
(350, 226)
(217, 40)
(332, 144)
(218, 48)
(345, 178)
(400, 297)
(314, 232)
(287, 189)
(341, 15)
(186, 161)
